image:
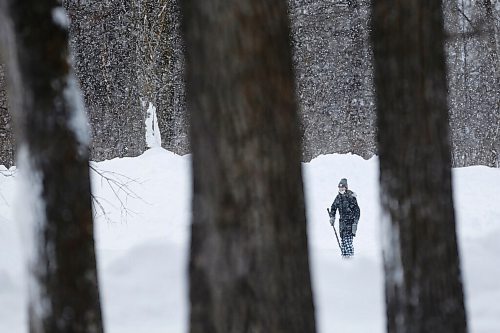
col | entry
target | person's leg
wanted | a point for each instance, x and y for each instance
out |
(348, 250)
(346, 244)
(343, 245)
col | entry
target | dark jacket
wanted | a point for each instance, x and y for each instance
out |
(348, 208)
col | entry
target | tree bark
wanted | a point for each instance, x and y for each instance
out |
(491, 148)
(170, 91)
(249, 266)
(422, 268)
(105, 42)
(48, 111)
(332, 61)
(6, 138)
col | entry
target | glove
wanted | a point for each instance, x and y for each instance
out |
(332, 220)
(354, 228)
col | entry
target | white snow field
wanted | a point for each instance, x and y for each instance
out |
(143, 237)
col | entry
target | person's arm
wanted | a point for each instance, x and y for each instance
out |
(357, 211)
(357, 214)
(333, 209)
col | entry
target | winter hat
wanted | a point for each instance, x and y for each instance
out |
(343, 183)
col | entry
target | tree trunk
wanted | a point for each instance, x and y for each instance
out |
(332, 62)
(359, 122)
(457, 96)
(169, 69)
(491, 127)
(249, 266)
(47, 108)
(105, 42)
(421, 262)
(6, 139)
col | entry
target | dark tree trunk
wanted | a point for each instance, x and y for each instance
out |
(47, 108)
(171, 100)
(459, 113)
(6, 139)
(359, 123)
(421, 261)
(105, 44)
(332, 61)
(490, 150)
(249, 266)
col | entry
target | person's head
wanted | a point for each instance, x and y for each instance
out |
(343, 185)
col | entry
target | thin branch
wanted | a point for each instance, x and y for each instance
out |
(100, 207)
(119, 185)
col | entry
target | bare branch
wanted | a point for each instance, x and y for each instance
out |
(119, 185)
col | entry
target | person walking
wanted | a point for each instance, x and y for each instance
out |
(347, 205)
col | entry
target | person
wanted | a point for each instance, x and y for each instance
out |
(347, 205)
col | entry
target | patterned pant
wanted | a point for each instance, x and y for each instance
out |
(346, 245)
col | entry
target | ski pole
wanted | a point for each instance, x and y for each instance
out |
(333, 225)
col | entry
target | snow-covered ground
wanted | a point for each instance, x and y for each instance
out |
(142, 243)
